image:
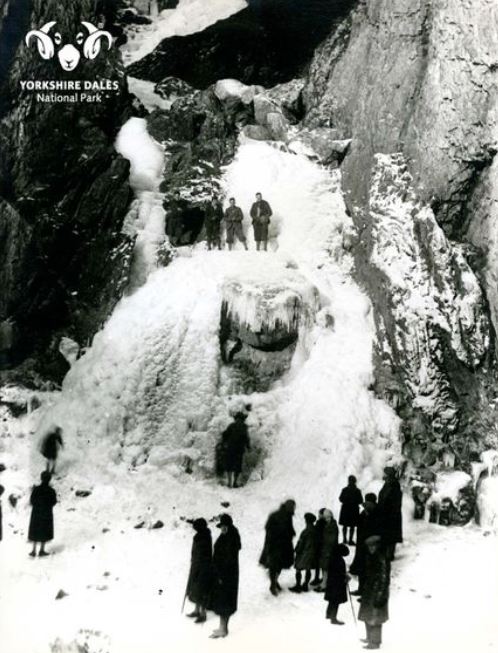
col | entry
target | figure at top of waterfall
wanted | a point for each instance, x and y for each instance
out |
(233, 224)
(234, 443)
(213, 216)
(261, 213)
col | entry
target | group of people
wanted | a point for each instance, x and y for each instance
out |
(214, 576)
(215, 217)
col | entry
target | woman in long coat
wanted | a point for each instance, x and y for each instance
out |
(351, 500)
(278, 551)
(200, 576)
(337, 580)
(41, 525)
(329, 540)
(225, 574)
(235, 441)
(375, 595)
(368, 525)
(390, 517)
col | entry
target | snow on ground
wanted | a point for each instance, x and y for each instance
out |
(145, 92)
(190, 16)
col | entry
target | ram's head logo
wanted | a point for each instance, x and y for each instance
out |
(69, 54)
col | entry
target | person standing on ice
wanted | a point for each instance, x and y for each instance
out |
(329, 540)
(390, 517)
(368, 524)
(235, 441)
(261, 213)
(225, 592)
(199, 579)
(319, 526)
(336, 590)
(213, 216)
(305, 554)
(50, 446)
(351, 500)
(174, 218)
(233, 224)
(41, 524)
(375, 597)
(278, 551)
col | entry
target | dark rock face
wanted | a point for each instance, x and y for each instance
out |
(267, 43)
(63, 192)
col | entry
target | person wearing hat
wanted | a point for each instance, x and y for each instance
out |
(305, 554)
(41, 524)
(368, 524)
(235, 441)
(278, 551)
(199, 579)
(351, 500)
(261, 213)
(329, 540)
(336, 590)
(375, 597)
(390, 517)
(225, 574)
(233, 224)
(213, 216)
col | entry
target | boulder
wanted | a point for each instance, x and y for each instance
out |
(262, 107)
(278, 125)
(256, 132)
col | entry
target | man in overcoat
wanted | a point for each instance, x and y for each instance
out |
(390, 517)
(375, 597)
(261, 213)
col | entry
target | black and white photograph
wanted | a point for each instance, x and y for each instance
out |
(248, 326)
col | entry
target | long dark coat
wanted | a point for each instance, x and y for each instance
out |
(368, 524)
(319, 525)
(351, 500)
(200, 576)
(50, 446)
(260, 214)
(235, 441)
(335, 591)
(278, 552)
(213, 217)
(375, 593)
(330, 539)
(390, 518)
(305, 549)
(41, 524)
(226, 573)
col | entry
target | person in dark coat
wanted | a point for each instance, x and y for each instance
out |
(305, 554)
(235, 441)
(233, 224)
(351, 500)
(319, 525)
(175, 210)
(368, 524)
(390, 517)
(41, 524)
(225, 574)
(261, 213)
(336, 590)
(2, 490)
(199, 579)
(375, 598)
(278, 551)
(329, 540)
(213, 216)
(50, 446)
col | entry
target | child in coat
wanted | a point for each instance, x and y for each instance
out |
(336, 591)
(305, 554)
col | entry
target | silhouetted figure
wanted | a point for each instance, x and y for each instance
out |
(375, 596)
(305, 554)
(329, 540)
(351, 500)
(319, 526)
(200, 575)
(213, 216)
(278, 551)
(2, 490)
(390, 518)
(41, 525)
(175, 211)
(225, 574)
(233, 224)
(261, 213)
(50, 446)
(336, 591)
(368, 524)
(235, 441)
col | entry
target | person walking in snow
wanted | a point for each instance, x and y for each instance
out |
(41, 524)
(329, 540)
(261, 213)
(235, 441)
(375, 597)
(390, 517)
(305, 554)
(174, 218)
(319, 526)
(278, 551)
(50, 446)
(336, 590)
(200, 575)
(213, 216)
(233, 224)
(368, 524)
(351, 500)
(224, 598)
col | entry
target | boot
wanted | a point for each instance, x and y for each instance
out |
(200, 619)
(371, 647)
(305, 588)
(218, 633)
(315, 581)
(297, 589)
(193, 615)
(336, 622)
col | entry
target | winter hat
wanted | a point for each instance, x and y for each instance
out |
(342, 550)
(45, 477)
(224, 520)
(241, 416)
(390, 472)
(199, 524)
(371, 497)
(309, 518)
(373, 539)
(352, 479)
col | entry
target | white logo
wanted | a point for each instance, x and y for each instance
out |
(69, 54)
